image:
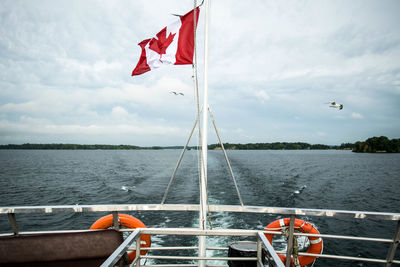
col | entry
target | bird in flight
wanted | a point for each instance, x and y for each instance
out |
(333, 104)
(176, 93)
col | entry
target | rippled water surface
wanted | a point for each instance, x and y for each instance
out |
(304, 179)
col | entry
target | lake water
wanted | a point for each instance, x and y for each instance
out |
(304, 179)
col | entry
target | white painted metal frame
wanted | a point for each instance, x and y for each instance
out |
(203, 168)
(391, 216)
(12, 211)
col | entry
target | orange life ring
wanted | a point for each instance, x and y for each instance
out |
(316, 243)
(126, 221)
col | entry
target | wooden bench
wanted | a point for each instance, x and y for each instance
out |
(87, 248)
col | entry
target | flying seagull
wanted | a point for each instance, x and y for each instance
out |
(335, 105)
(175, 93)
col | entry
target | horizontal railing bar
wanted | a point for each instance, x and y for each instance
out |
(241, 232)
(157, 231)
(198, 258)
(183, 265)
(49, 232)
(176, 265)
(165, 248)
(215, 248)
(254, 258)
(179, 248)
(342, 257)
(212, 208)
(227, 232)
(215, 232)
(197, 231)
(99, 208)
(347, 237)
(282, 252)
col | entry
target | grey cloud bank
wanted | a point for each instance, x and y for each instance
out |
(65, 72)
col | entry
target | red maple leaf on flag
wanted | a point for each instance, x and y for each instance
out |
(161, 44)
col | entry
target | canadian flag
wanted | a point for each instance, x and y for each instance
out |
(172, 45)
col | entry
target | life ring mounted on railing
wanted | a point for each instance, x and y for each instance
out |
(128, 221)
(316, 243)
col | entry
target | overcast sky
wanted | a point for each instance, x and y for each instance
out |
(65, 69)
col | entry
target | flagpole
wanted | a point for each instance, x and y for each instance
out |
(203, 169)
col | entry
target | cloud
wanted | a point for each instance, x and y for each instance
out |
(238, 130)
(52, 132)
(356, 115)
(65, 67)
(119, 111)
(262, 95)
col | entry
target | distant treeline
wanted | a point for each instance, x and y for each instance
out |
(371, 145)
(378, 144)
(74, 147)
(280, 146)
(253, 146)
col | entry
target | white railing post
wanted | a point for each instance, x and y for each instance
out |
(138, 251)
(393, 246)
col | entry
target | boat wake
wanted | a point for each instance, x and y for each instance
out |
(298, 191)
(128, 188)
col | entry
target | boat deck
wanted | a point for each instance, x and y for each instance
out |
(132, 242)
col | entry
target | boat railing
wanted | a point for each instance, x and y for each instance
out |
(262, 243)
(259, 236)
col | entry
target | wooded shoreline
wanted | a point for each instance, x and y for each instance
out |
(371, 145)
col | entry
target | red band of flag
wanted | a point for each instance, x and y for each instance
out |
(174, 44)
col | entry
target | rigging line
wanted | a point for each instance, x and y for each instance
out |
(195, 75)
(196, 89)
(198, 109)
(226, 157)
(202, 165)
(179, 161)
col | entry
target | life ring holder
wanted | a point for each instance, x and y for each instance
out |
(316, 243)
(128, 221)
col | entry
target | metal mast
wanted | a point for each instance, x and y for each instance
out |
(203, 169)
